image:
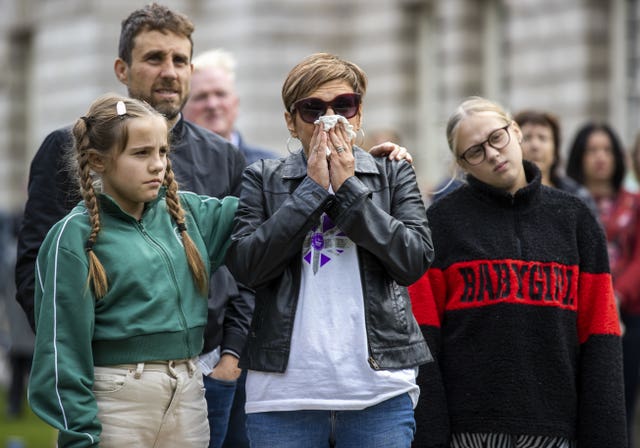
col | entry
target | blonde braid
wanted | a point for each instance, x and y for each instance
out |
(194, 259)
(97, 275)
(99, 137)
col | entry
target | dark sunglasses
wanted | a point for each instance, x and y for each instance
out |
(310, 109)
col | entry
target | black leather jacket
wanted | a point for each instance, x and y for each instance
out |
(203, 163)
(380, 209)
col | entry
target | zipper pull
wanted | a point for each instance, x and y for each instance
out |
(373, 363)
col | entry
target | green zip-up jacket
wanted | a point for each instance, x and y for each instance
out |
(152, 310)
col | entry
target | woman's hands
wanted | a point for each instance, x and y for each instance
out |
(317, 166)
(331, 167)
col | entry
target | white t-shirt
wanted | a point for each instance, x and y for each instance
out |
(328, 368)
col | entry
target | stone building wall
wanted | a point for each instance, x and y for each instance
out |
(578, 58)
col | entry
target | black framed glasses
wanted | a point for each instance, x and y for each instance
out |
(310, 109)
(498, 139)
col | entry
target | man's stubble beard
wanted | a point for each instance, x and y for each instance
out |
(168, 109)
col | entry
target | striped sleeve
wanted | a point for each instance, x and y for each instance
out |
(60, 386)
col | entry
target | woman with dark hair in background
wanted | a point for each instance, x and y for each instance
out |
(541, 145)
(597, 161)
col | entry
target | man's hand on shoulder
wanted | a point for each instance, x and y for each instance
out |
(392, 151)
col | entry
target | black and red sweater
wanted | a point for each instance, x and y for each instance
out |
(518, 309)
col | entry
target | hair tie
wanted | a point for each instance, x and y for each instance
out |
(87, 121)
(121, 109)
(88, 246)
(182, 227)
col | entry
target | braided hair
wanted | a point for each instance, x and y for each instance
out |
(196, 265)
(103, 132)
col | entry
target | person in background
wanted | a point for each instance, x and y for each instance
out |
(518, 305)
(446, 186)
(121, 290)
(597, 161)
(214, 102)
(21, 339)
(541, 145)
(634, 155)
(329, 237)
(154, 63)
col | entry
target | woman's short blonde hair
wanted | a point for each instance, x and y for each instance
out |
(316, 70)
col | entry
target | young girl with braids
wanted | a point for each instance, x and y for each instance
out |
(121, 290)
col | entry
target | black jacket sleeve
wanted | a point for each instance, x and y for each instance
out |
(239, 305)
(262, 246)
(52, 192)
(399, 238)
(229, 315)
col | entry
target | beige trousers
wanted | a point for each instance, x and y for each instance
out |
(153, 404)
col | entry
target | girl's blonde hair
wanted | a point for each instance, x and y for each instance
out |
(103, 131)
(471, 106)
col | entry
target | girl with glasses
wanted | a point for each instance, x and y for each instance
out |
(329, 237)
(517, 306)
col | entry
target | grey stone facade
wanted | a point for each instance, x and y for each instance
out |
(578, 58)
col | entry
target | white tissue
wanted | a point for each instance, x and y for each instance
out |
(329, 121)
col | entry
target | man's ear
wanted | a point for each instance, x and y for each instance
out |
(121, 70)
